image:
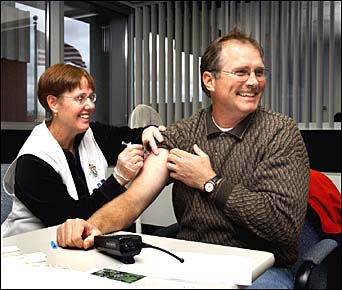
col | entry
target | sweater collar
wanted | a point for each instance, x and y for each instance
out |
(238, 131)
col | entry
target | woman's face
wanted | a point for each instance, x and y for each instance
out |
(75, 109)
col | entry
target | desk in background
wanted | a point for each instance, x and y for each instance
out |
(85, 261)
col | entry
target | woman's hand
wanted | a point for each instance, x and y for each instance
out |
(129, 163)
(149, 137)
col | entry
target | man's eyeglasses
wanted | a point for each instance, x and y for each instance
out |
(243, 74)
(81, 99)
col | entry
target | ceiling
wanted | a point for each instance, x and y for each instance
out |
(135, 4)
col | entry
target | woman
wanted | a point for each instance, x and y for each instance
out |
(60, 172)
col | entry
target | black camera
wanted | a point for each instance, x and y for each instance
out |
(124, 247)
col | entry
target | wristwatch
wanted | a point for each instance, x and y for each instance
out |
(210, 185)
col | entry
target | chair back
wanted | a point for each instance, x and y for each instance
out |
(143, 115)
(310, 236)
(6, 200)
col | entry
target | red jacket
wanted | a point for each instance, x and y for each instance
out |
(325, 199)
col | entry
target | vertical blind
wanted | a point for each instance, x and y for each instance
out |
(300, 39)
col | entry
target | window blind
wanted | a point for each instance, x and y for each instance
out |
(300, 39)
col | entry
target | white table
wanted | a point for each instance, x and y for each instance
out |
(81, 260)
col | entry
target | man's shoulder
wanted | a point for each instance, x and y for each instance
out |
(185, 130)
(193, 119)
(271, 117)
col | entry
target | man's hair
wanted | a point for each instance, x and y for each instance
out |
(211, 59)
(61, 78)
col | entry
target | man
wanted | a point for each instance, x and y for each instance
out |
(240, 172)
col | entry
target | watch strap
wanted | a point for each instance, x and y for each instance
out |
(215, 179)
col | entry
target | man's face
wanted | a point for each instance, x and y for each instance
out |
(230, 92)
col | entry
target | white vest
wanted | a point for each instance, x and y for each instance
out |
(43, 145)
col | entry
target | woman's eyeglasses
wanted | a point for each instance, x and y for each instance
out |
(81, 99)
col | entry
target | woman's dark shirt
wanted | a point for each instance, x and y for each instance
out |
(41, 189)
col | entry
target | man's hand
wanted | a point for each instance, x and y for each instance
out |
(192, 169)
(76, 233)
(149, 137)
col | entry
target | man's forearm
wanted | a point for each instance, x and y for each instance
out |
(123, 210)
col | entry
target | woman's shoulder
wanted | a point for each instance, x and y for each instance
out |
(32, 161)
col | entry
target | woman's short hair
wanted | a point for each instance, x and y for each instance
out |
(61, 78)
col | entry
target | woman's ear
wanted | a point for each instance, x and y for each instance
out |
(53, 103)
(208, 81)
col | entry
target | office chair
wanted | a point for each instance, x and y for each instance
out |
(6, 200)
(318, 266)
(141, 116)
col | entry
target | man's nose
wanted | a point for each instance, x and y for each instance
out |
(252, 80)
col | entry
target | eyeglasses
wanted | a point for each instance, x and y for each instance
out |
(81, 99)
(243, 74)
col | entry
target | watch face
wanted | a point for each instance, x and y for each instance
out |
(209, 187)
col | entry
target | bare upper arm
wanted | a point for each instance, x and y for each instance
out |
(154, 170)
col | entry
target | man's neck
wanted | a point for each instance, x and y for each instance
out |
(226, 121)
(221, 128)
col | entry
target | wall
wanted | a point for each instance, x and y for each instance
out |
(336, 179)
(324, 154)
(11, 142)
(324, 148)
(160, 212)
(13, 90)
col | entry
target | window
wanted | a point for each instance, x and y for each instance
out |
(22, 26)
(95, 37)
(77, 42)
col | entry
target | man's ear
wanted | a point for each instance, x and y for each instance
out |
(208, 81)
(53, 103)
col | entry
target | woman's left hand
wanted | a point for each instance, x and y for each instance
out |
(149, 137)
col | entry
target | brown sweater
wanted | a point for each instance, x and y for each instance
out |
(261, 203)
